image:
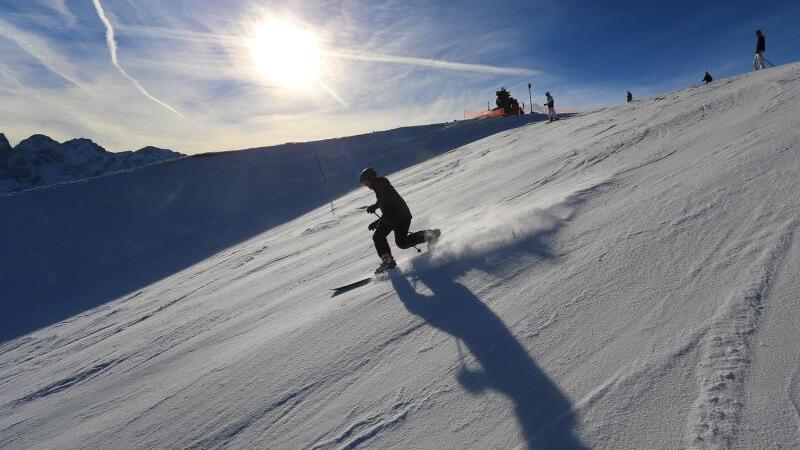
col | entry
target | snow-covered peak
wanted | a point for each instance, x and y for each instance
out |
(38, 144)
(83, 145)
(4, 145)
(147, 155)
(40, 161)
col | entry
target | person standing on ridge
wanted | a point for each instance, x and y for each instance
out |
(761, 48)
(396, 217)
(630, 97)
(551, 106)
(708, 79)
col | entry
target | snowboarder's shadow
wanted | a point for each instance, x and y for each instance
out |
(543, 411)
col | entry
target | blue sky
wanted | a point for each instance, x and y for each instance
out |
(186, 75)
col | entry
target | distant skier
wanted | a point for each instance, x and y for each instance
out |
(551, 106)
(395, 217)
(708, 78)
(630, 97)
(761, 48)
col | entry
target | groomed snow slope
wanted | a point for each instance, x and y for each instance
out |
(76, 246)
(621, 279)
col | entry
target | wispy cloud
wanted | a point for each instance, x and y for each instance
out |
(112, 48)
(38, 48)
(196, 37)
(60, 6)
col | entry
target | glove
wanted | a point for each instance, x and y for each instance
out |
(371, 209)
(373, 225)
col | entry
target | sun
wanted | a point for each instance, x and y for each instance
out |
(286, 54)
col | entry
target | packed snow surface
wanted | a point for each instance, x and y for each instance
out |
(622, 279)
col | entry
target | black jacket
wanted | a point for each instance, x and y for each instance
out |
(762, 44)
(389, 201)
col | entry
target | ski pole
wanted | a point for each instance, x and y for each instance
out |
(768, 61)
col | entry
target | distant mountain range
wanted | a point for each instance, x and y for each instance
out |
(41, 161)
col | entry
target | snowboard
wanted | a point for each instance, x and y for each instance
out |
(349, 287)
(369, 279)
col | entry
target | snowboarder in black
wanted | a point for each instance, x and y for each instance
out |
(761, 47)
(630, 97)
(395, 217)
(708, 79)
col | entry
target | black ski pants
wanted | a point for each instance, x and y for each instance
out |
(401, 236)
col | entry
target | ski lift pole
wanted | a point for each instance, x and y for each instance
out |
(379, 218)
(530, 98)
(324, 178)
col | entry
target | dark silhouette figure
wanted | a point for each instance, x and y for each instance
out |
(543, 411)
(708, 78)
(396, 217)
(507, 103)
(630, 97)
(761, 48)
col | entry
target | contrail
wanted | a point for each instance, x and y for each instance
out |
(426, 62)
(333, 94)
(234, 41)
(112, 48)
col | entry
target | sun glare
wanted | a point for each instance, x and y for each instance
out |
(286, 54)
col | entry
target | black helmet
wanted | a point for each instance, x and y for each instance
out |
(367, 174)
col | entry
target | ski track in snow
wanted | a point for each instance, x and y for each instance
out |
(725, 351)
(793, 390)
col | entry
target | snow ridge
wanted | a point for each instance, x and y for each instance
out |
(66, 383)
(725, 353)
(353, 436)
(229, 432)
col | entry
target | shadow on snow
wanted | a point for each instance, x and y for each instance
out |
(544, 413)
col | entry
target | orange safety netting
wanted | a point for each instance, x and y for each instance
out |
(498, 112)
(473, 114)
